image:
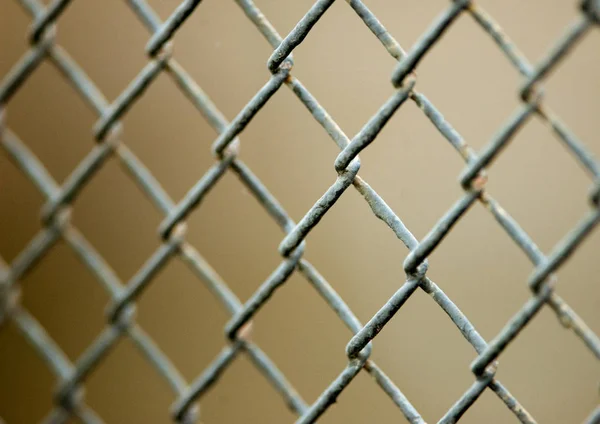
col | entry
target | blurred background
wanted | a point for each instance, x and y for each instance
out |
(415, 170)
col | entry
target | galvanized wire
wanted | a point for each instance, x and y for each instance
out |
(70, 400)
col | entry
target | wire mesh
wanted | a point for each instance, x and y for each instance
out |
(69, 399)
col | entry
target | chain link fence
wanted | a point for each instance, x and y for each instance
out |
(69, 398)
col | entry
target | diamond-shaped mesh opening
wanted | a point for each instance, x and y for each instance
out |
(366, 392)
(241, 51)
(125, 372)
(514, 16)
(375, 248)
(424, 331)
(578, 275)
(46, 290)
(487, 408)
(284, 17)
(406, 150)
(407, 22)
(62, 122)
(236, 257)
(85, 26)
(20, 192)
(483, 246)
(16, 44)
(190, 347)
(294, 138)
(246, 399)
(569, 94)
(35, 380)
(354, 53)
(308, 359)
(469, 59)
(554, 357)
(526, 181)
(162, 117)
(123, 208)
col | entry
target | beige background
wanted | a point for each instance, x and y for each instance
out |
(410, 165)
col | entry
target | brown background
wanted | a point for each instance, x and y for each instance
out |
(410, 165)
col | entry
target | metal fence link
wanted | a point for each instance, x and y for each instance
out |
(69, 399)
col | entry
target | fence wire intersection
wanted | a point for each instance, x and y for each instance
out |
(69, 398)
